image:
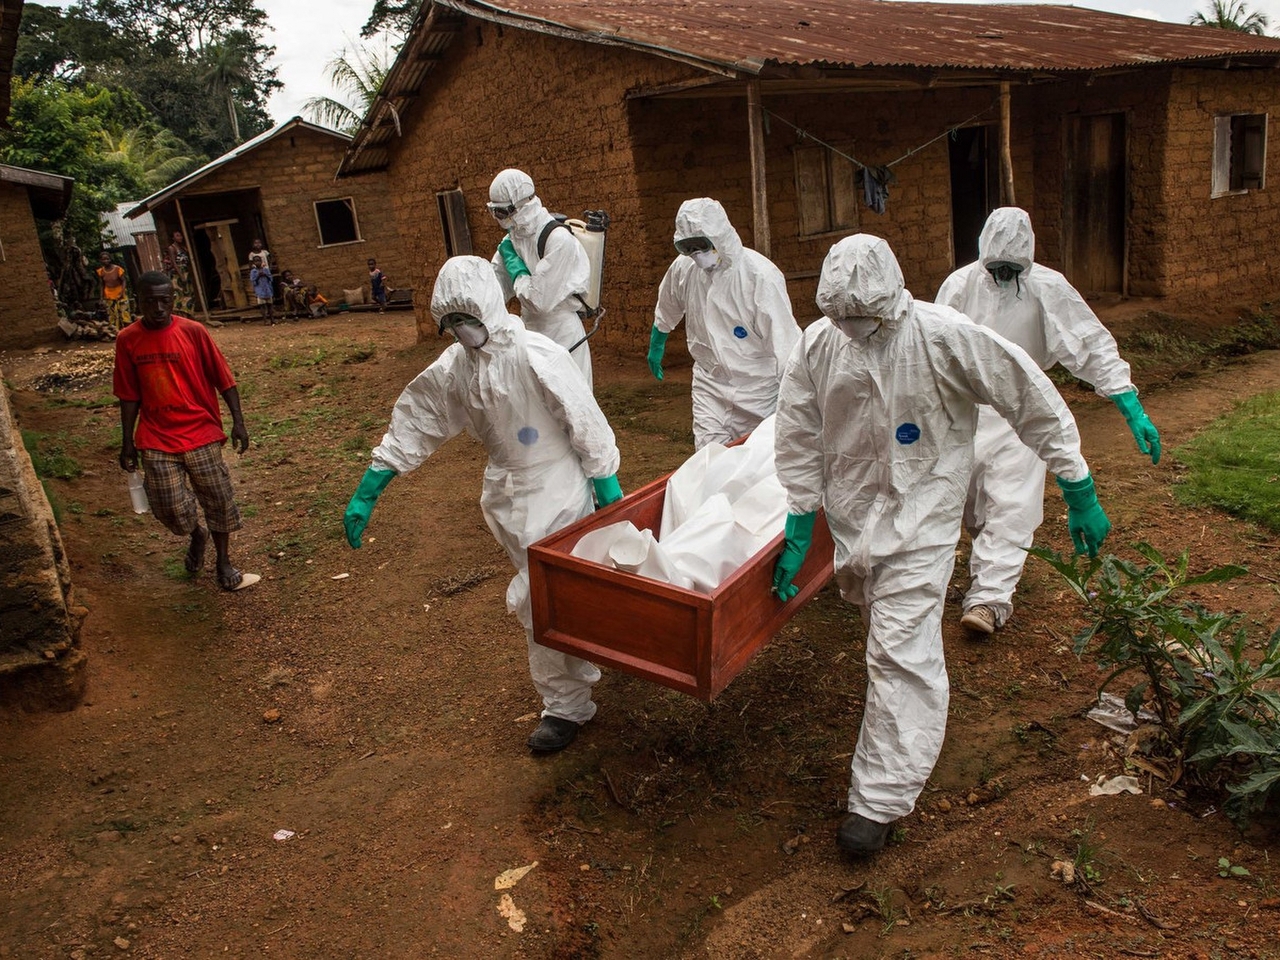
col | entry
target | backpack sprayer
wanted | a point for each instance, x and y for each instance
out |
(591, 233)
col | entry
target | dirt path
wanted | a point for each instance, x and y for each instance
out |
(381, 717)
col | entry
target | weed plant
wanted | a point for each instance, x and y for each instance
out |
(1219, 711)
(49, 456)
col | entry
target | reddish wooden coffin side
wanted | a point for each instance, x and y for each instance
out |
(692, 642)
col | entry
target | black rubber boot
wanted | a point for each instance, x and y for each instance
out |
(552, 734)
(861, 837)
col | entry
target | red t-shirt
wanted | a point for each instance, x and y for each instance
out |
(175, 375)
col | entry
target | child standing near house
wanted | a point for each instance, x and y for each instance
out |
(113, 293)
(293, 292)
(263, 288)
(377, 285)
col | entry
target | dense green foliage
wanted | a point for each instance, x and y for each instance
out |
(1234, 464)
(182, 59)
(1218, 710)
(66, 130)
(126, 96)
(391, 16)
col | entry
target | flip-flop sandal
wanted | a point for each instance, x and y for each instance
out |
(194, 564)
(246, 580)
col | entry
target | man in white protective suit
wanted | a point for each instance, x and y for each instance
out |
(1006, 291)
(542, 265)
(875, 425)
(738, 323)
(549, 448)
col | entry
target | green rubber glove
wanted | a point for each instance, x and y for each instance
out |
(799, 536)
(1140, 425)
(657, 344)
(516, 267)
(606, 489)
(1086, 521)
(371, 486)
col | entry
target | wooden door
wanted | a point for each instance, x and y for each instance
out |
(225, 263)
(1095, 203)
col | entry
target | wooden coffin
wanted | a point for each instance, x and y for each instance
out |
(689, 641)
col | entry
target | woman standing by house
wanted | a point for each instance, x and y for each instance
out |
(178, 266)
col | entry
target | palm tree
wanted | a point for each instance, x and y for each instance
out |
(357, 74)
(1231, 15)
(158, 157)
(226, 70)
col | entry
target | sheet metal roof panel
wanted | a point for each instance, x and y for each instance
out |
(160, 196)
(121, 229)
(865, 33)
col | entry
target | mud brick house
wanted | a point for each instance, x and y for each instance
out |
(28, 314)
(279, 187)
(1139, 148)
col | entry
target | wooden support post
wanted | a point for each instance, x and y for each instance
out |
(1006, 155)
(759, 186)
(191, 255)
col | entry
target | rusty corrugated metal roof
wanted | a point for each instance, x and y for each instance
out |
(747, 34)
(789, 38)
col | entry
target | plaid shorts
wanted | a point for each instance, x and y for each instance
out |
(176, 482)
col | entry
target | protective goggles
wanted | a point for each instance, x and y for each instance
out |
(451, 320)
(501, 211)
(691, 245)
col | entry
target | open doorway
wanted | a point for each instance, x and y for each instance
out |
(973, 187)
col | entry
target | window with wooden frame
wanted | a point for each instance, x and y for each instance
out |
(826, 192)
(454, 223)
(336, 221)
(1239, 153)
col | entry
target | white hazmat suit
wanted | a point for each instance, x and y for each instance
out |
(1043, 314)
(876, 427)
(522, 396)
(548, 298)
(738, 322)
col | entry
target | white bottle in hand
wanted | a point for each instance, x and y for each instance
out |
(138, 493)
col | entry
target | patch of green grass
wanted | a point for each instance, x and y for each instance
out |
(49, 455)
(357, 444)
(1234, 464)
(360, 353)
(307, 358)
(86, 403)
(174, 569)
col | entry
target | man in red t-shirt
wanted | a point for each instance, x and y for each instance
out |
(168, 375)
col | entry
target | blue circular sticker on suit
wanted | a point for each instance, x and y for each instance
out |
(740, 332)
(528, 436)
(907, 433)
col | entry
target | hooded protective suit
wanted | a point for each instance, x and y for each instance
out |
(878, 430)
(738, 323)
(1042, 313)
(523, 398)
(547, 302)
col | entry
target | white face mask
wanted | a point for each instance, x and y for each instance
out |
(706, 259)
(524, 219)
(858, 328)
(473, 335)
